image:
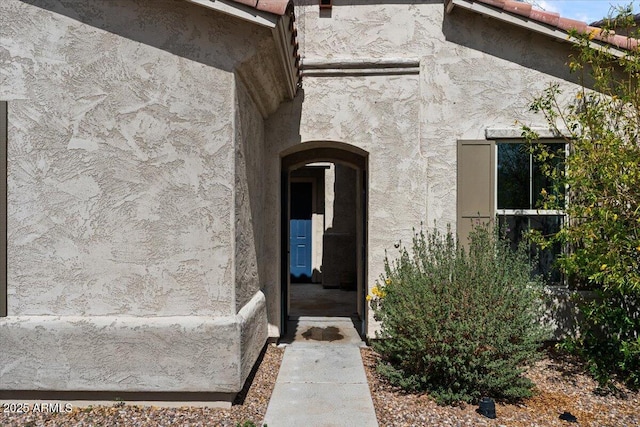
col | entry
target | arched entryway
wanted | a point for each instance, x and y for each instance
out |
(324, 227)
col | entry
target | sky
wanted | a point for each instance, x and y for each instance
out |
(584, 10)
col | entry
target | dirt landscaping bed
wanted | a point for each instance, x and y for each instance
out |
(561, 387)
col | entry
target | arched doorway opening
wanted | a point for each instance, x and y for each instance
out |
(324, 227)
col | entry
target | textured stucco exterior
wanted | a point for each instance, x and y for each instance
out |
(121, 166)
(248, 196)
(128, 209)
(339, 257)
(146, 143)
(132, 354)
(474, 73)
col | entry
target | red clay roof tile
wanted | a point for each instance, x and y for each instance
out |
(549, 18)
(277, 7)
(517, 7)
(571, 24)
(566, 24)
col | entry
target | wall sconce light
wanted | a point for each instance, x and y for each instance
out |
(326, 4)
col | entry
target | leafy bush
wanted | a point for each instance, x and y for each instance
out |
(609, 342)
(458, 324)
(602, 178)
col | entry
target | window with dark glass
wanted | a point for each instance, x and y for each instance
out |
(521, 184)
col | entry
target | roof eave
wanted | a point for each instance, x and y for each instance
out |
(277, 7)
(523, 22)
(288, 54)
(240, 11)
(282, 30)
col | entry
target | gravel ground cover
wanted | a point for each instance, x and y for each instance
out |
(250, 405)
(561, 387)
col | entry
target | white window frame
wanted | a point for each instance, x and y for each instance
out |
(522, 212)
(528, 212)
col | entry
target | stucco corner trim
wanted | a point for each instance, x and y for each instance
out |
(253, 325)
(516, 133)
(250, 308)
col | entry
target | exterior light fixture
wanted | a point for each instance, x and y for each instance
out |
(487, 407)
(326, 4)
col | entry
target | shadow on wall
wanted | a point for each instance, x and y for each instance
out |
(180, 28)
(507, 42)
(249, 198)
(561, 311)
(282, 130)
(339, 241)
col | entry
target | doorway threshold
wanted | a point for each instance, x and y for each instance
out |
(323, 330)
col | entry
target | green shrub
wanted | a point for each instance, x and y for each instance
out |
(602, 181)
(610, 338)
(600, 174)
(459, 324)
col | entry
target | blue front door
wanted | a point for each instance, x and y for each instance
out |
(301, 249)
(300, 231)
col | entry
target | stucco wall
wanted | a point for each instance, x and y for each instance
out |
(249, 196)
(249, 256)
(132, 354)
(120, 164)
(108, 353)
(375, 113)
(339, 257)
(122, 212)
(475, 73)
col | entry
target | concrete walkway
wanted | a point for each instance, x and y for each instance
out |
(321, 382)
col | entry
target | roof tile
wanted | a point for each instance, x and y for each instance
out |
(571, 24)
(277, 7)
(622, 41)
(557, 21)
(550, 18)
(520, 8)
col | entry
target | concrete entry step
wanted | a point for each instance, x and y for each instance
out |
(321, 382)
(336, 330)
